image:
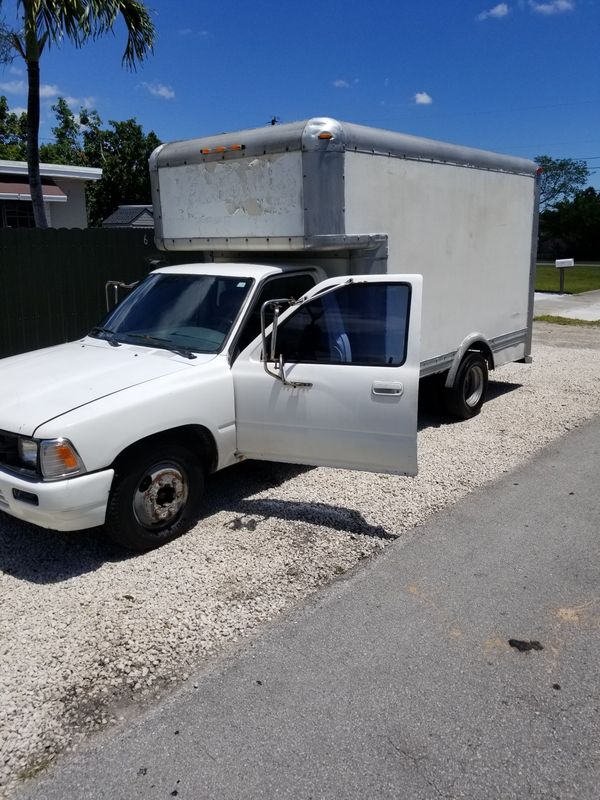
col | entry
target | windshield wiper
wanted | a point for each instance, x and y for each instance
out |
(165, 344)
(111, 335)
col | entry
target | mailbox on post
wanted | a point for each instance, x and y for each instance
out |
(561, 264)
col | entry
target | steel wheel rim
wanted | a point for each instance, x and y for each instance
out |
(160, 495)
(474, 385)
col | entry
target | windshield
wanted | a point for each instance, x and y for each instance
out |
(178, 312)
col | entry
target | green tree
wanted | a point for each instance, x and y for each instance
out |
(5, 45)
(67, 147)
(560, 180)
(13, 133)
(572, 228)
(123, 154)
(121, 151)
(48, 22)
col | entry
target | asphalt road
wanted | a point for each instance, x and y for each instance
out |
(399, 681)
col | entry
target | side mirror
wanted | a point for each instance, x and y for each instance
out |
(277, 306)
(115, 286)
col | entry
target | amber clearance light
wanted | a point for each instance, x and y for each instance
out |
(206, 151)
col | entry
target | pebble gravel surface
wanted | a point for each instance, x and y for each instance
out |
(88, 633)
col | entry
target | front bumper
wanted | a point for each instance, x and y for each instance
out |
(66, 505)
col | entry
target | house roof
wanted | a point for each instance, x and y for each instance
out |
(130, 216)
(16, 187)
(52, 170)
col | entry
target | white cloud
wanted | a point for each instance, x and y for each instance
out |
(191, 32)
(20, 87)
(16, 70)
(423, 99)
(79, 102)
(497, 12)
(49, 90)
(159, 90)
(552, 7)
(340, 84)
(14, 87)
(18, 110)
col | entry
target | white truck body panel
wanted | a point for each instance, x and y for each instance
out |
(467, 231)
(199, 391)
(45, 384)
(223, 195)
(70, 505)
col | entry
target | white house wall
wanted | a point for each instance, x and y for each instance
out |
(73, 213)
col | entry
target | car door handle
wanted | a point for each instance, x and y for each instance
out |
(297, 384)
(387, 389)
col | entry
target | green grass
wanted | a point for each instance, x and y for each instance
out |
(581, 278)
(580, 323)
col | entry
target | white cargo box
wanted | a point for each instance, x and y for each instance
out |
(356, 199)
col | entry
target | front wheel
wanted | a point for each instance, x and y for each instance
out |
(465, 398)
(155, 497)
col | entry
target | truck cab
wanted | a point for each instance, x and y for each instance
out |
(200, 367)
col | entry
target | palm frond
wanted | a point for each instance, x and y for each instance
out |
(51, 21)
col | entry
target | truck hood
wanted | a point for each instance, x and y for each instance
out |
(39, 386)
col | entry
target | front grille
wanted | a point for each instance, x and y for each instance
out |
(9, 456)
(9, 452)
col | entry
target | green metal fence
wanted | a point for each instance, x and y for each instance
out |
(52, 281)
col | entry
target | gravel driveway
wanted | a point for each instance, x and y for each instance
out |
(88, 635)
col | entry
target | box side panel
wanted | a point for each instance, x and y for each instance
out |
(236, 197)
(467, 230)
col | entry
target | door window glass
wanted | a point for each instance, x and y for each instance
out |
(286, 286)
(357, 324)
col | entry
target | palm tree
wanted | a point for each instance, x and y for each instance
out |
(47, 22)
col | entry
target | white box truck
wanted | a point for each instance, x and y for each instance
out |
(336, 266)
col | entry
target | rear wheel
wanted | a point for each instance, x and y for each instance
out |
(155, 497)
(465, 398)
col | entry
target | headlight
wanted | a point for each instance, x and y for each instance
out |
(28, 452)
(59, 459)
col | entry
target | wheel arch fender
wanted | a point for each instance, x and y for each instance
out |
(474, 341)
(196, 438)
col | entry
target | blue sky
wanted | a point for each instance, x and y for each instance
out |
(519, 77)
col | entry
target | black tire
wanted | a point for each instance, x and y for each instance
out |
(465, 398)
(431, 394)
(155, 497)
